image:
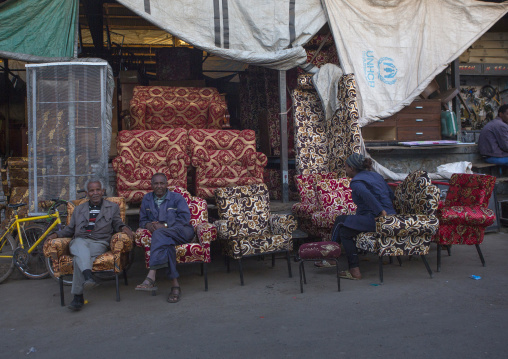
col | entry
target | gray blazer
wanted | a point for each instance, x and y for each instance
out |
(107, 223)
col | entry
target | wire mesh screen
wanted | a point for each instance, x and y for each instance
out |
(67, 129)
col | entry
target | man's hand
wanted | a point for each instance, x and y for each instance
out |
(128, 232)
(383, 213)
(52, 236)
(153, 226)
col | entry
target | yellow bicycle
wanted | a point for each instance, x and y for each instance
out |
(25, 250)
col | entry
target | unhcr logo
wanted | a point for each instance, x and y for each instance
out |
(385, 69)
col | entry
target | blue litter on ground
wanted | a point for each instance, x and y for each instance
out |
(375, 284)
(476, 277)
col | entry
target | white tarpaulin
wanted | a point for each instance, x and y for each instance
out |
(262, 32)
(396, 47)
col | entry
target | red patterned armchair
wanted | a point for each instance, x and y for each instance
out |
(225, 158)
(113, 261)
(334, 198)
(246, 226)
(463, 216)
(161, 107)
(309, 202)
(410, 231)
(198, 251)
(141, 154)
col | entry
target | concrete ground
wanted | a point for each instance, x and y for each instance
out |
(410, 315)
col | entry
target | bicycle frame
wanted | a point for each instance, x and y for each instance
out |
(16, 224)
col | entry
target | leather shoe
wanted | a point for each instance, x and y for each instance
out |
(77, 303)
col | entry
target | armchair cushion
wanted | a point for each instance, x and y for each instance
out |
(282, 224)
(473, 216)
(405, 225)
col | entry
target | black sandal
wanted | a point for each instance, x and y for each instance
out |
(174, 295)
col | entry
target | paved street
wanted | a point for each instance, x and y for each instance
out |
(411, 315)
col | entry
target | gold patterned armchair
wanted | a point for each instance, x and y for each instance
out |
(246, 227)
(112, 262)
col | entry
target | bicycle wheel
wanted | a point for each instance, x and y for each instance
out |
(35, 265)
(49, 265)
(8, 246)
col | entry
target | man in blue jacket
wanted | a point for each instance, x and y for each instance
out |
(493, 141)
(167, 216)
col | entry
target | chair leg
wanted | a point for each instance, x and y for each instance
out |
(480, 254)
(381, 269)
(125, 277)
(117, 282)
(424, 259)
(60, 283)
(303, 271)
(288, 257)
(439, 257)
(204, 268)
(273, 260)
(228, 269)
(337, 269)
(449, 249)
(300, 266)
(399, 260)
(241, 270)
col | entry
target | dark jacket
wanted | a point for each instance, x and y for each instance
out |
(107, 223)
(173, 210)
(493, 141)
(371, 195)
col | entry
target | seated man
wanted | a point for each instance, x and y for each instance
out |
(167, 216)
(92, 225)
(493, 141)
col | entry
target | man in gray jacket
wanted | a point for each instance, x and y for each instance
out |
(92, 225)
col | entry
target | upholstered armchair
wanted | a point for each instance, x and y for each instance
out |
(334, 199)
(112, 262)
(309, 202)
(463, 216)
(141, 154)
(198, 251)
(246, 227)
(224, 158)
(162, 107)
(410, 231)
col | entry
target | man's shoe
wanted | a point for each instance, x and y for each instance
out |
(90, 283)
(77, 303)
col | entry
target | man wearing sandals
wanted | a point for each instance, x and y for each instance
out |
(92, 225)
(167, 216)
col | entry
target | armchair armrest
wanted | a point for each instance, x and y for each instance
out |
(206, 232)
(261, 159)
(282, 224)
(54, 249)
(120, 243)
(402, 225)
(226, 230)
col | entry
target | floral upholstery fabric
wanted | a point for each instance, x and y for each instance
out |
(113, 260)
(161, 107)
(410, 231)
(246, 226)
(311, 142)
(343, 131)
(141, 154)
(327, 55)
(205, 233)
(273, 179)
(319, 250)
(464, 214)
(225, 158)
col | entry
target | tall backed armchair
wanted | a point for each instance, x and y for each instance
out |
(246, 227)
(198, 251)
(410, 231)
(113, 261)
(141, 154)
(224, 158)
(463, 216)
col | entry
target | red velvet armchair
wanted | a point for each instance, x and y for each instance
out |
(464, 215)
(224, 158)
(198, 251)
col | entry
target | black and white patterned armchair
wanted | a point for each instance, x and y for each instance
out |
(246, 227)
(410, 231)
